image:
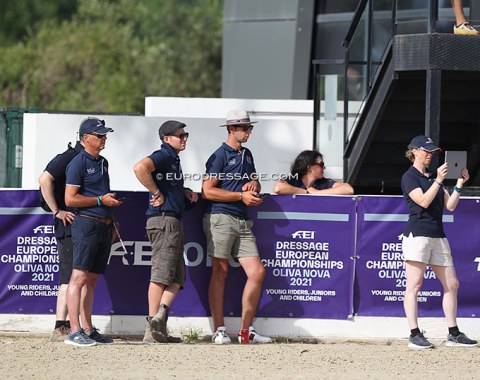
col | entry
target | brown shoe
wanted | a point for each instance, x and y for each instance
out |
(59, 334)
(174, 339)
(148, 338)
(158, 324)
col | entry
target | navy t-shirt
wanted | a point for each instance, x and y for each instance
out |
(168, 177)
(319, 184)
(423, 221)
(233, 169)
(90, 174)
(56, 167)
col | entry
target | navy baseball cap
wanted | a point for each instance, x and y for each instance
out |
(93, 125)
(424, 143)
(169, 128)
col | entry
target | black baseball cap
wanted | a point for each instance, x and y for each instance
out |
(169, 128)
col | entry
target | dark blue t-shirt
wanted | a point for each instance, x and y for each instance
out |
(423, 221)
(319, 184)
(56, 167)
(233, 169)
(90, 174)
(168, 177)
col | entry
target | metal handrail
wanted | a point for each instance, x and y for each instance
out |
(367, 6)
(355, 21)
(364, 6)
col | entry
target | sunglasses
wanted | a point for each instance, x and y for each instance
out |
(245, 128)
(426, 151)
(321, 164)
(182, 136)
(97, 135)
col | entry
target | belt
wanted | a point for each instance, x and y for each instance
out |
(98, 219)
(172, 214)
(166, 213)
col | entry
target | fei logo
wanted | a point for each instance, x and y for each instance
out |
(304, 235)
(44, 229)
(477, 260)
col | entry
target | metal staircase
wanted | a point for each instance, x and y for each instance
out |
(424, 83)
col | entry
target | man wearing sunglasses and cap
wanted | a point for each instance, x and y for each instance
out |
(161, 174)
(231, 186)
(52, 190)
(88, 192)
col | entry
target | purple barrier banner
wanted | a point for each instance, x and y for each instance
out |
(380, 275)
(464, 238)
(28, 259)
(306, 244)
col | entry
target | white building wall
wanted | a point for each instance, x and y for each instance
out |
(284, 129)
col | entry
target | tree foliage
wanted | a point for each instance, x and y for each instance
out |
(20, 18)
(111, 54)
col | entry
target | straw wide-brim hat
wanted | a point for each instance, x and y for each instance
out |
(238, 117)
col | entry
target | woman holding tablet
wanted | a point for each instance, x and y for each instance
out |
(424, 242)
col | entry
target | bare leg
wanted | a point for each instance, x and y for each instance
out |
(155, 292)
(159, 293)
(86, 303)
(457, 7)
(449, 280)
(216, 291)
(169, 294)
(414, 271)
(255, 272)
(61, 308)
(74, 290)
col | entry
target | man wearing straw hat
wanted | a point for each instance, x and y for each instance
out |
(231, 186)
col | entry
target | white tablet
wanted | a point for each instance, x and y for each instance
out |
(457, 161)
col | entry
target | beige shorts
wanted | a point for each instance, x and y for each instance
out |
(229, 236)
(427, 250)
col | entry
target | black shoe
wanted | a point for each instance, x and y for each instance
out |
(460, 341)
(99, 338)
(419, 342)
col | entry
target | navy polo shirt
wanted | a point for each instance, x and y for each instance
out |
(233, 169)
(423, 221)
(319, 184)
(90, 174)
(168, 177)
(56, 167)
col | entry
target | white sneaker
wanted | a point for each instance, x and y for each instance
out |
(220, 336)
(465, 29)
(257, 338)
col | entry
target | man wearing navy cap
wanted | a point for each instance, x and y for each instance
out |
(52, 188)
(88, 191)
(161, 174)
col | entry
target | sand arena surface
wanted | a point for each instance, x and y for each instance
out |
(35, 357)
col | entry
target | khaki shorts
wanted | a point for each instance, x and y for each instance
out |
(165, 234)
(229, 236)
(427, 250)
